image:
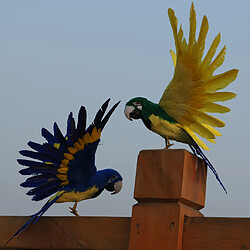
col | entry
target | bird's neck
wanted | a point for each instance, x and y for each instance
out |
(151, 108)
(101, 177)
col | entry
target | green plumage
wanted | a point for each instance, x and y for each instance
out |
(149, 108)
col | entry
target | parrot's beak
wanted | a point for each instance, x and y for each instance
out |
(127, 111)
(117, 187)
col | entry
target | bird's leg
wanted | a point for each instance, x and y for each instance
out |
(73, 209)
(168, 145)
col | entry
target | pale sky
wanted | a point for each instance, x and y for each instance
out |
(58, 55)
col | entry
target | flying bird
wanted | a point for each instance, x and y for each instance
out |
(181, 113)
(64, 166)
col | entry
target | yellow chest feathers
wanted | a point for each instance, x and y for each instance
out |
(164, 128)
(77, 196)
(174, 131)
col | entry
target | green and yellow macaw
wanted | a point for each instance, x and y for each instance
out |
(64, 166)
(192, 93)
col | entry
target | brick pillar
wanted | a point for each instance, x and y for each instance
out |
(169, 185)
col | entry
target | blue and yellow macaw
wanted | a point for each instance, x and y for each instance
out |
(193, 92)
(65, 166)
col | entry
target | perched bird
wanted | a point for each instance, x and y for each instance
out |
(192, 93)
(65, 166)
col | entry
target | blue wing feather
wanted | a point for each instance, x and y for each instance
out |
(61, 139)
(98, 117)
(38, 180)
(44, 187)
(71, 131)
(39, 156)
(47, 149)
(36, 168)
(49, 137)
(106, 118)
(101, 112)
(81, 124)
(46, 191)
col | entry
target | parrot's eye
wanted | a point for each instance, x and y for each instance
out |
(137, 103)
(113, 177)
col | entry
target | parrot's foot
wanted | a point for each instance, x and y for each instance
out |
(73, 209)
(168, 144)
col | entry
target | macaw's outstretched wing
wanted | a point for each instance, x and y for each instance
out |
(192, 93)
(64, 161)
(80, 164)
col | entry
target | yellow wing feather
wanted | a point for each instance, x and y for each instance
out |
(202, 35)
(220, 81)
(196, 138)
(192, 31)
(79, 145)
(213, 130)
(211, 52)
(217, 62)
(215, 108)
(192, 93)
(173, 55)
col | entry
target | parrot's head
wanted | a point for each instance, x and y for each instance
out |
(135, 107)
(114, 183)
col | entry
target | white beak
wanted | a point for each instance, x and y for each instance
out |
(127, 111)
(118, 187)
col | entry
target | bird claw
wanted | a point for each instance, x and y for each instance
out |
(73, 211)
(168, 146)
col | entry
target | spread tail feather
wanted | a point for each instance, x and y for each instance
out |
(35, 217)
(197, 151)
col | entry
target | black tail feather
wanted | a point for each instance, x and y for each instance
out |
(197, 151)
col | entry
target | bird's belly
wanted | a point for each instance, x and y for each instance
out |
(173, 131)
(74, 196)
